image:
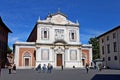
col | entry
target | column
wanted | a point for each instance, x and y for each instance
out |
(38, 57)
(65, 55)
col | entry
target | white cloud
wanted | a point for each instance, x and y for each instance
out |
(17, 37)
(12, 40)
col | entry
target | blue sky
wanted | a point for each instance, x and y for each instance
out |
(95, 16)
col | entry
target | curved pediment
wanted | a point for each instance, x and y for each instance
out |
(58, 18)
(60, 42)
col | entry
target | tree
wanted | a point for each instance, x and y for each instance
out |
(8, 50)
(5, 60)
(95, 43)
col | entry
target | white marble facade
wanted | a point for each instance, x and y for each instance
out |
(58, 42)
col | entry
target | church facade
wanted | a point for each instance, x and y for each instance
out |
(55, 40)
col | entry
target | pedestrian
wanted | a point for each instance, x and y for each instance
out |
(100, 66)
(14, 68)
(9, 67)
(87, 67)
(44, 68)
(49, 68)
(61, 67)
(39, 68)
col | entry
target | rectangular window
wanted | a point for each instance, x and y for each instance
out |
(103, 59)
(45, 33)
(107, 38)
(102, 40)
(108, 48)
(102, 49)
(114, 35)
(115, 46)
(109, 58)
(115, 58)
(45, 54)
(72, 35)
(73, 54)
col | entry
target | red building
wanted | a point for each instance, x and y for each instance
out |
(4, 30)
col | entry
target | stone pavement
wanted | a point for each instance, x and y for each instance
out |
(66, 74)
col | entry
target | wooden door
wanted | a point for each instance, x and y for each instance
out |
(59, 59)
(26, 61)
(83, 62)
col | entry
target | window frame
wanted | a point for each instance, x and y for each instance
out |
(43, 30)
(72, 33)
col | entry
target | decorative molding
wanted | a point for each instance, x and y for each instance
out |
(73, 54)
(44, 54)
(59, 34)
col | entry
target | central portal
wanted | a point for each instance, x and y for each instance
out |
(59, 59)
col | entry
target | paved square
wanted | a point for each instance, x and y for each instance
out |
(57, 74)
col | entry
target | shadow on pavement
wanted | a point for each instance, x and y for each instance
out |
(106, 77)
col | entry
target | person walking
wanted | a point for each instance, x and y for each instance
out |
(10, 67)
(61, 67)
(44, 68)
(39, 68)
(87, 67)
(49, 68)
(100, 66)
(14, 68)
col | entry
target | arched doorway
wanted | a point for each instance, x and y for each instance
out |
(83, 59)
(27, 59)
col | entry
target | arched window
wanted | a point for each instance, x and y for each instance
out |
(72, 35)
(45, 33)
(83, 59)
(27, 54)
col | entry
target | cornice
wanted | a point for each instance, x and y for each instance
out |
(49, 23)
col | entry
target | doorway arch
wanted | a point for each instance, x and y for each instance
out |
(26, 59)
